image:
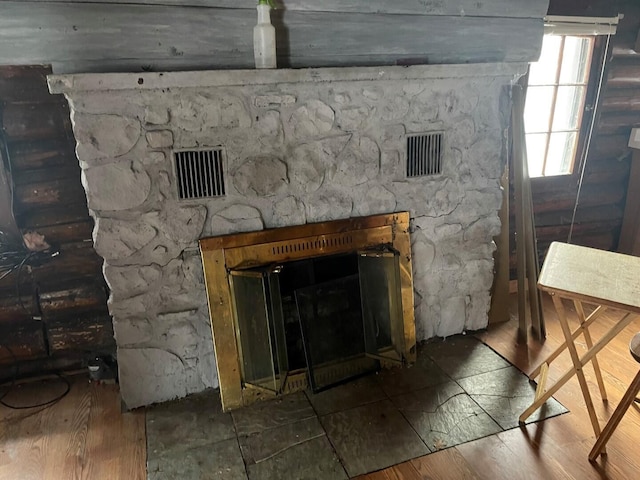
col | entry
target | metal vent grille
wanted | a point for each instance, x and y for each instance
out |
(319, 243)
(424, 155)
(199, 173)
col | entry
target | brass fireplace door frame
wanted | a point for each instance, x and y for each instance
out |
(246, 250)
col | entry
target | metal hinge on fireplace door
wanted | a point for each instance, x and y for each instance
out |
(259, 326)
(380, 293)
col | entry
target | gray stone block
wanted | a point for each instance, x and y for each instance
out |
(160, 139)
(116, 186)
(100, 136)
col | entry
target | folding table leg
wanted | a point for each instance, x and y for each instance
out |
(589, 342)
(575, 358)
(613, 422)
(600, 344)
(592, 318)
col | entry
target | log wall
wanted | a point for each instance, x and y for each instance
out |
(52, 315)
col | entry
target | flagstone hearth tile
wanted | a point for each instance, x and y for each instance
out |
(217, 461)
(187, 423)
(424, 373)
(352, 394)
(504, 394)
(462, 356)
(372, 437)
(273, 413)
(260, 446)
(298, 450)
(309, 459)
(445, 416)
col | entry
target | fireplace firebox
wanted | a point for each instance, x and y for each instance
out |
(309, 306)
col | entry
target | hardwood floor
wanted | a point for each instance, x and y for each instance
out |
(85, 436)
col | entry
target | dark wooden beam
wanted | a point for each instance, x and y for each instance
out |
(102, 37)
(487, 8)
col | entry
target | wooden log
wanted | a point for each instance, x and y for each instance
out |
(68, 232)
(31, 121)
(72, 298)
(608, 146)
(90, 333)
(599, 174)
(548, 233)
(11, 284)
(599, 171)
(73, 262)
(623, 100)
(583, 215)
(66, 361)
(624, 75)
(624, 51)
(47, 194)
(24, 339)
(490, 8)
(41, 175)
(14, 310)
(10, 233)
(19, 84)
(32, 155)
(53, 215)
(589, 197)
(601, 241)
(96, 37)
(618, 122)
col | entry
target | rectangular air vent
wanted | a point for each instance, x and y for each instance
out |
(424, 155)
(199, 173)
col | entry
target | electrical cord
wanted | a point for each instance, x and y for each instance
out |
(12, 385)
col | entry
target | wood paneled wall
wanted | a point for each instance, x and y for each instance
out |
(52, 315)
(602, 199)
(122, 35)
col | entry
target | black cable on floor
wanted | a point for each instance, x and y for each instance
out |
(48, 403)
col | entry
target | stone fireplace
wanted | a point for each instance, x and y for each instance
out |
(293, 147)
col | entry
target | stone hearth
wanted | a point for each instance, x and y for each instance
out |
(299, 146)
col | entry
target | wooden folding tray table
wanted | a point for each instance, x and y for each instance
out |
(585, 275)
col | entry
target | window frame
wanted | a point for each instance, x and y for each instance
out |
(587, 116)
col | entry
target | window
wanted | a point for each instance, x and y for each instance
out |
(555, 102)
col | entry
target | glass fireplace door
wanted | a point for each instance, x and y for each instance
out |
(381, 304)
(259, 324)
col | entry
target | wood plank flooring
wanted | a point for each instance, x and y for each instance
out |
(85, 436)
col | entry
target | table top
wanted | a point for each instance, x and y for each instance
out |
(591, 275)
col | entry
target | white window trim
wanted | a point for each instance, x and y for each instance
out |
(577, 26)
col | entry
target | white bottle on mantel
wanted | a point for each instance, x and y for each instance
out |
(264, 37)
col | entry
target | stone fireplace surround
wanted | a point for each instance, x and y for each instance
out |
(300, 146)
